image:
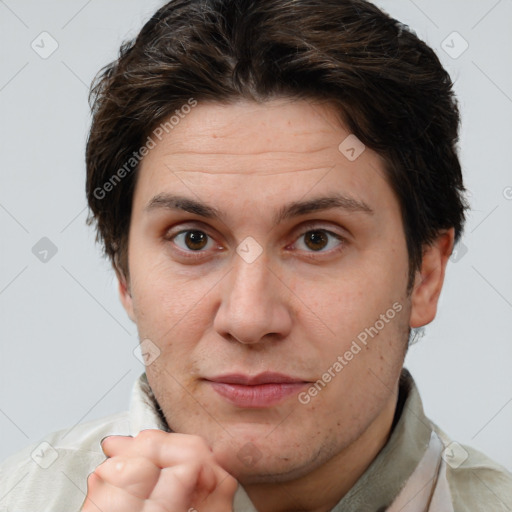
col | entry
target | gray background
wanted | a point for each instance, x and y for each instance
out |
(67, 345)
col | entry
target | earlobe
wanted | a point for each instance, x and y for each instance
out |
(125, 296)
(430, 278)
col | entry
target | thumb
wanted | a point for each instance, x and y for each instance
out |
(221, 499)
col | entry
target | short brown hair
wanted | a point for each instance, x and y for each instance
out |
(388, 86)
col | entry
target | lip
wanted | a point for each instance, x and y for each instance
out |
(252, 380)
(258, 391)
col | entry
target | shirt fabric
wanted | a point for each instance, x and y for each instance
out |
(418, 470)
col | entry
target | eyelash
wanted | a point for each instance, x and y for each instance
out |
(309, 254)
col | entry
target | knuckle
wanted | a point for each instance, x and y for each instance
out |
(93, 481)
(148, 439)
(145, 436)
(196, 443)
(194, 453)
(107, 468)
(187, 473)
(230, 485)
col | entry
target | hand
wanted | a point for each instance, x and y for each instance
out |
(158, 471)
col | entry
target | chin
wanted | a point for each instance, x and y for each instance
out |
(252, 463)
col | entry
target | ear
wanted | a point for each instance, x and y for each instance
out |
(125, 295)
(429, 279)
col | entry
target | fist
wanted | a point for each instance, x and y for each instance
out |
(158, 471)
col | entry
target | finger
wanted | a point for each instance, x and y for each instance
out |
(197, 482)
(136, 475)
(177, 489)
(164, 449)
(221, 498)
(114, 445)
(187, 476)
(207, 478)
(102, 497)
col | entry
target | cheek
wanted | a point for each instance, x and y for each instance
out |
(160, 292)
(174, 313)
(362, 317)
(344, 306)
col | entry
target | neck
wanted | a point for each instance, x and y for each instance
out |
(322, 489)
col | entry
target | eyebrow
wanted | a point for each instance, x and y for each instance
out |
(291, 210)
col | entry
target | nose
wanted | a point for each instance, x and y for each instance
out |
(253, 304)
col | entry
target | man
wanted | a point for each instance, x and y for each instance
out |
(278, 189)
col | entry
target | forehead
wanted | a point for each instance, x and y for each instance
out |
(285, 128)
(261, 151)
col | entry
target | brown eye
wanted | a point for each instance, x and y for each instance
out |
(196, 240)
(319, 241)
(316, 240)
(191, 240)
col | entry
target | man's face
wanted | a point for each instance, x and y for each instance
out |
(255, 291)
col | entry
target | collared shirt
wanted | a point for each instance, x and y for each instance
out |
(418, 470)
